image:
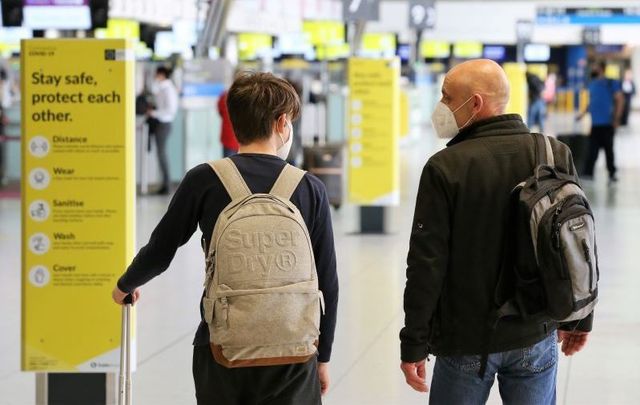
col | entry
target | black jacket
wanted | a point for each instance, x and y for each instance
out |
(457, 240)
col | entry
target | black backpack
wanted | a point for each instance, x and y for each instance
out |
(550, 264)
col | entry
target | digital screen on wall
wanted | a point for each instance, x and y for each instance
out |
(251, 46)
(56, 14)
(537, 53)
(435, 49)
(379, 45)
(322, 33)
(494, 52)
(467, 50)
(118, 29)
(404, 52)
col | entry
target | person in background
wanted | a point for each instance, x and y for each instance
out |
(537, 108)
(295, 155)
(629, 90)
(228, 139)
(606, 103)
(5, 103)
(166, 107)
(549, 93)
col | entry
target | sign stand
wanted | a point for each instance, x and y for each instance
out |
(372, 220)
(75, 388)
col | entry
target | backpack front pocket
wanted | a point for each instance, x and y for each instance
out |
(266, 317)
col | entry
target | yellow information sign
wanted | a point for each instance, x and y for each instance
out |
(78, 200)
(374, 129)
(516, 73)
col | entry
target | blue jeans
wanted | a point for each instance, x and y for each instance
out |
(537, 111)
(525, 376)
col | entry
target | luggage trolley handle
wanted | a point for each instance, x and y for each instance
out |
(124, 388)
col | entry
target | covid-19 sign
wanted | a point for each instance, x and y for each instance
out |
(78, 200)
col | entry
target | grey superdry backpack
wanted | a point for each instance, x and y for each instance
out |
(554, 262)
(262, 302)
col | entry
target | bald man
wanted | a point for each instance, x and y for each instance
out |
(456, 250)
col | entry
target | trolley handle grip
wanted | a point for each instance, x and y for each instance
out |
(128, 300)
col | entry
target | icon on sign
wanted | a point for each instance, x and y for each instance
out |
(39, 276)
(39, 210)
(39, 178)
(39, 146)
(39, 243)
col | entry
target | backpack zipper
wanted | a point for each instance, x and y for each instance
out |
(556, 224)
(587, 257)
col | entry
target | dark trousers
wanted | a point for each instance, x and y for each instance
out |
(293, 384)
(624, 120)
(162, 131)
(601, 138)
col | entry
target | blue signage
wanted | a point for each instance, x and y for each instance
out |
(588, 16)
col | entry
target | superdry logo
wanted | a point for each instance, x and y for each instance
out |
(264, 263)
(260, 241)
(260, 252)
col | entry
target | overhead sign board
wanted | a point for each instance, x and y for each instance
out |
(588, 16)
(361, 10)
(422, 14)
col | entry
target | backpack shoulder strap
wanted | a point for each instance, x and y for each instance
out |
(287, 182)
(231, 178)
(543, 150)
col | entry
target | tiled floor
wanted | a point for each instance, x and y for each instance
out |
(365, 361)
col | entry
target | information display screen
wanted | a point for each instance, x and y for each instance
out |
(537, 53)
(435, 49)
(56, 14)
(251, 46)
(467, 50)
(494, 52)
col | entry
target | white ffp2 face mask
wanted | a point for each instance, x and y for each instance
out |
(283, 151)
(444, 120)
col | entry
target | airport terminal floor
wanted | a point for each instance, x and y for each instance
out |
(366, 358)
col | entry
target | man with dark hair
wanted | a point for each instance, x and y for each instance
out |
(166, 100)
(261, 107)
(606, 104)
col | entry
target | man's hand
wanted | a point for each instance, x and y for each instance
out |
(119, 295)
(416, 375)
(572, 342)
(323, 375)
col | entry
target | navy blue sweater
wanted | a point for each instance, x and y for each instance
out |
(201, 198)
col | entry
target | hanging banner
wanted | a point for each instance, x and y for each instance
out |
(78, 200)
(374, 131)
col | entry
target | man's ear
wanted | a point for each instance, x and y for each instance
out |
(478, 103)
